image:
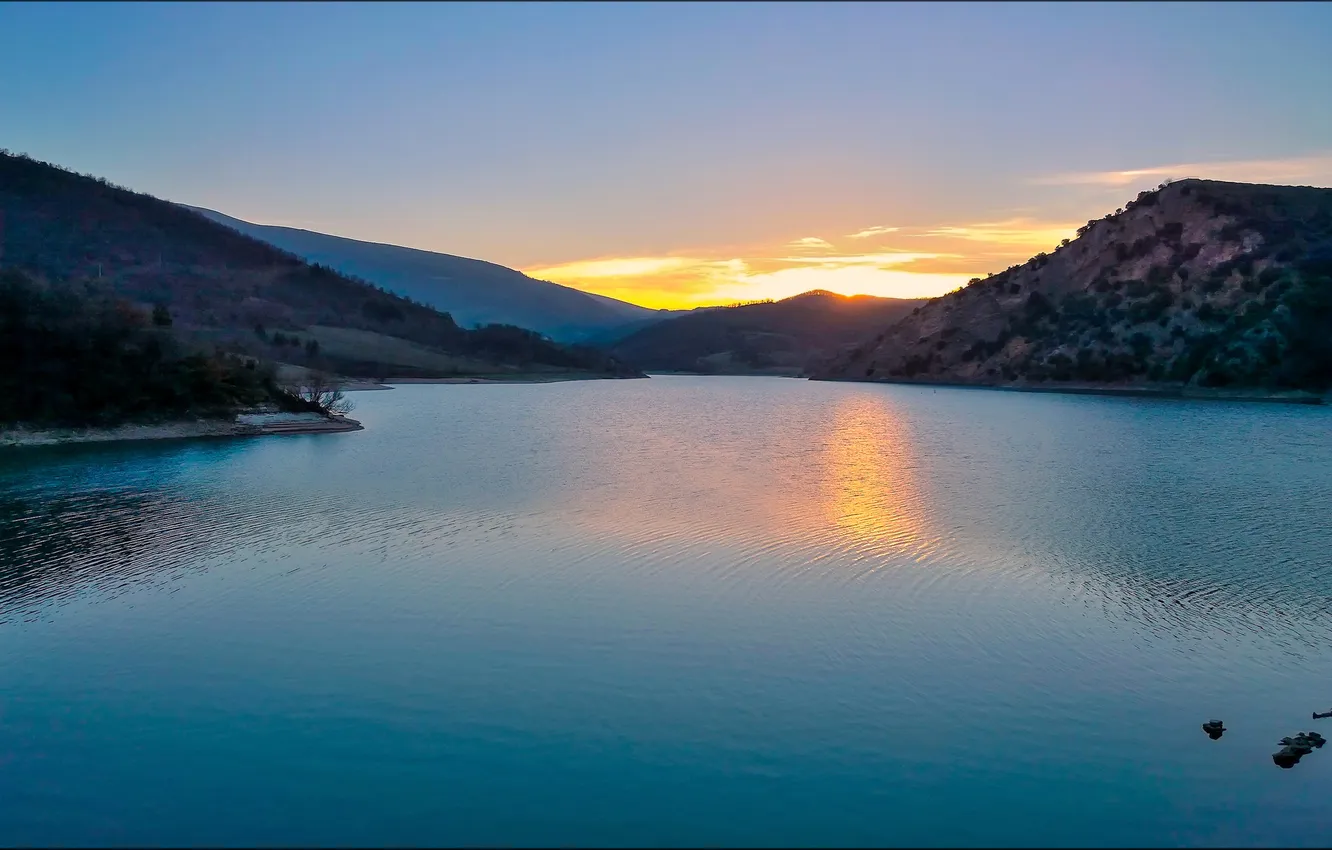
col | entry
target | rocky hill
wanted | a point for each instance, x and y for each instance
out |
(790, 337)
(1197, 284)
(226, 291)
(474, 292)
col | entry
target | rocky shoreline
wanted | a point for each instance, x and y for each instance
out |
(250, 424)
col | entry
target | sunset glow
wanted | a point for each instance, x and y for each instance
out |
(899, 261)
(735, 152)
(920, 262)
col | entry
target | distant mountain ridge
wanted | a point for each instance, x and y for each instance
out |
(226, 291)
(788, 337)
(1200, 283)
(474, 292)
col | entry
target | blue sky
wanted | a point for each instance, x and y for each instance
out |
(687, 148)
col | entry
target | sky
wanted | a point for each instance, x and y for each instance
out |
(676, 154)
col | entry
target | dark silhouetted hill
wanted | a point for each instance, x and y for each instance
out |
(472, 291)
(790, 337)
(240, 295)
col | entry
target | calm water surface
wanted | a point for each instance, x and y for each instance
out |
(721, 611)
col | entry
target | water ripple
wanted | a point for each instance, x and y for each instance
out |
(785, 579)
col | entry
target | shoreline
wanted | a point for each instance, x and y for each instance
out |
(790, 373)
(261, 423)
(250, 424)
(1179, 393)
(375, 386)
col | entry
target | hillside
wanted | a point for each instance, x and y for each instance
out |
(76, 357)
(474, 292)
(790, 336)
(1199, 283)
(236, 294)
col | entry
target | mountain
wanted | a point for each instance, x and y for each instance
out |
(474, 292)
(227, 291)
(1197, 284)
(790, 336)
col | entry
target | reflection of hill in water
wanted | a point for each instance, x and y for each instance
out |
(62, 534)
(1172, 520)
(101, 520)
(1194, 520)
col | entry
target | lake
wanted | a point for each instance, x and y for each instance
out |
(684, 610)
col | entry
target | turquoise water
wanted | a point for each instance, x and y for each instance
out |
(692, 611)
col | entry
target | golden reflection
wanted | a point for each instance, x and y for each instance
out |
(871, 482)
(798, 481)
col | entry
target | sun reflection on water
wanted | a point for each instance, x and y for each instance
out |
(871, 487)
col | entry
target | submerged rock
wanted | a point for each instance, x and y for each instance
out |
(1317, 716)
(1298, 744)
(1295, 747)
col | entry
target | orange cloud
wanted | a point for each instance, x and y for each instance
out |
(1315, 169)
(924, 262)
(872, 231)
(656, 282)
(682, 282)
(808, 242)
(616, 267)
(1016, 231)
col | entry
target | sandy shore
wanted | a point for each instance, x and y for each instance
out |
(245, 425)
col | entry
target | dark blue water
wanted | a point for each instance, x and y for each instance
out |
(693, 611)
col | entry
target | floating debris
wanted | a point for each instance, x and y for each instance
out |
(1213, 728)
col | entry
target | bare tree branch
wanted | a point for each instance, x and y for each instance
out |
(325, 392)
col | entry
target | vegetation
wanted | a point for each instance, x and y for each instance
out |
(791, 336)
(77, 357)
(1200, 282)
(222, 291)
(323, 392)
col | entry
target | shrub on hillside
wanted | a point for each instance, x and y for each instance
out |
(75, 359)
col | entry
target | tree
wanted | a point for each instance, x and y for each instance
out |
(77, 358)
(161, 316)
(324, 392)
(312, 347)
